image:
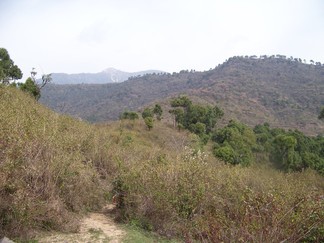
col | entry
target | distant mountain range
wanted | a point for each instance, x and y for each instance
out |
(282, 91)
(109, 75)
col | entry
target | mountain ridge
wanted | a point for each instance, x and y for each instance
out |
(108, 75)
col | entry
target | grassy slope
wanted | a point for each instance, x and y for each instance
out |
(52, 168)
(47, 167)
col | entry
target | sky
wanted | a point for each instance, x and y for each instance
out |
(88, 36)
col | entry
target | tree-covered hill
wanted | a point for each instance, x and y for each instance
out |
(286, 92)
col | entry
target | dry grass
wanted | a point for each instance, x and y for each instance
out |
(49, 167)
(189, 194)
(52, 168)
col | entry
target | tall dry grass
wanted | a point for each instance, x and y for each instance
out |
(50, 167)
(189, 194)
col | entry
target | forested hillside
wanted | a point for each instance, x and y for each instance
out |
(286, 92)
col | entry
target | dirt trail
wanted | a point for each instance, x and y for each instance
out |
(96, 227)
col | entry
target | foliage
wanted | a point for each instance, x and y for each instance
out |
(131, 115)
(30, 87)
(158, 111)
(148, 112)
(291, 150)
(198, 119)
(234, 143)
(8, 70)
(149, 122)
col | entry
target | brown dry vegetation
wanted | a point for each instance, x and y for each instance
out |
(53, 168)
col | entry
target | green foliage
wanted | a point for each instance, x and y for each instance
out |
(291, 150)
(198, 119)
(148, 112)
(181, 101)
(8, 70)
(149, 122)
(131, 115)
(31, 87)
(158, 111)
(234, 143)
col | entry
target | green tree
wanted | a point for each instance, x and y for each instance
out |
(192, 116)
(240, 138)
(149, 122)
(8, 70)
(284, 152)
(131, 115)
(30, 87)
(158, 111)
(147, 113)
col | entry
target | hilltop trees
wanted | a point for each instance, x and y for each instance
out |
(8, 70)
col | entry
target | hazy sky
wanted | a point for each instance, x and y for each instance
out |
(76, 36)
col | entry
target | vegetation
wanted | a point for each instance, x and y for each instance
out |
(164, 180)
(198, 119)
(32, 87)
(131, 115)
(8, 70)
(283, 91)
(53, 168)
(235, 143)
(50, 167)
(291, 150)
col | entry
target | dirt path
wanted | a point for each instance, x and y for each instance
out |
(96, 227)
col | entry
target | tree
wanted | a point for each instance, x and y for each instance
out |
(131, 115)
(147, 113)
(158, 111)
(284, 152)
(149, 122)
(238, 140)
(8, 70)
(30, 87)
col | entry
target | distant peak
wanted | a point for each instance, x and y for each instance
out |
(110, 69)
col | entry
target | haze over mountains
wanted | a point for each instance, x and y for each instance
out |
(109, 75)
(284, 92)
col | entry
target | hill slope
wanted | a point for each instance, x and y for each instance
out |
(283, 92)
(53, 168)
